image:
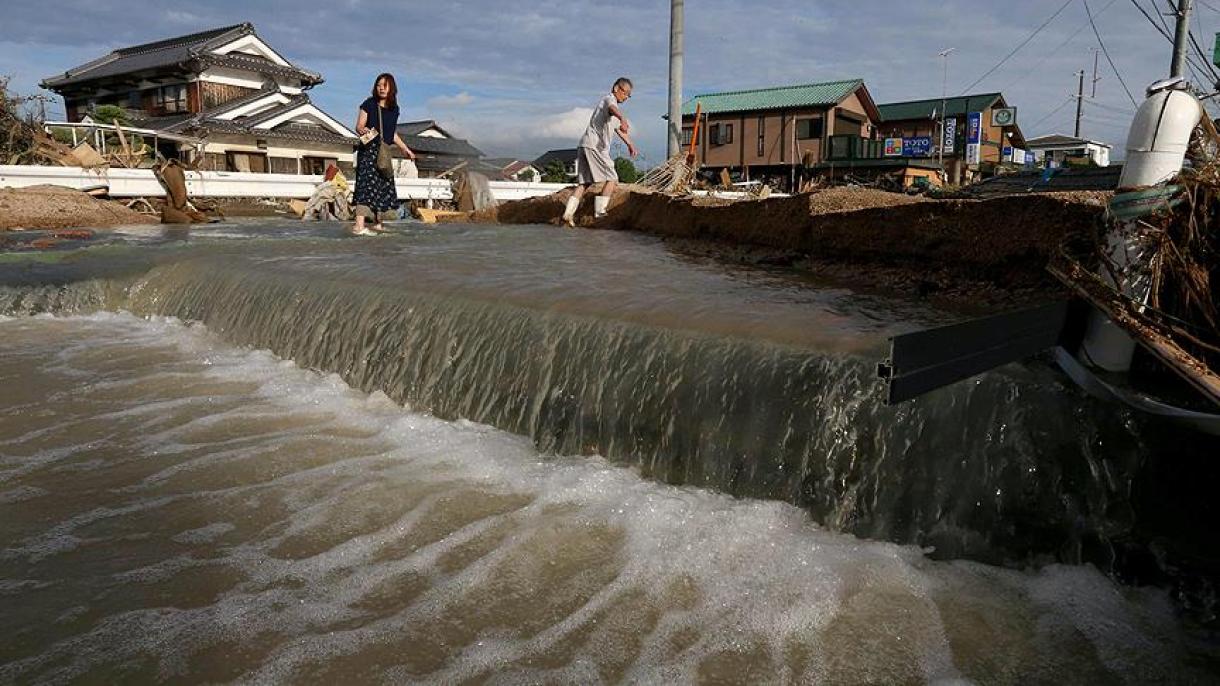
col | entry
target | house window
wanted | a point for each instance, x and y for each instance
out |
(762, 136)
(317, 165)
(809, 129)
(283, 165)
(720, 134)
(170, 99)
(687, 135)
(247, 162)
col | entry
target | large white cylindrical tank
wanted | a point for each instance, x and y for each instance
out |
(1156, 149)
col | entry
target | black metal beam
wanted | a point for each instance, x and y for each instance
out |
(926, 360)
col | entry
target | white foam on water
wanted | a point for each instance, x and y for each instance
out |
(426, 550)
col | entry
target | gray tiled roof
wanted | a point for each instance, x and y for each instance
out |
(441, 146)
(172, 52)
(564, 155)
(414, 128)
(208, 123)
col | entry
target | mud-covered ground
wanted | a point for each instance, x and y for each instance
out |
(992, 251)
(57, 207)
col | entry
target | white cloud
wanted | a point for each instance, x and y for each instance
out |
(570, 124)
(444, 102)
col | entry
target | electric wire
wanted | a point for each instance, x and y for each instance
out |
(1052, 113)
(1014, 51)
(1057, 48)
(1107, 52)
(1163, 29)
(1211, 69)
(1112, 108)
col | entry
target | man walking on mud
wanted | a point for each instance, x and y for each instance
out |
(593, 162)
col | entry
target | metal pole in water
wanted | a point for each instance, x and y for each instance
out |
(675, 77)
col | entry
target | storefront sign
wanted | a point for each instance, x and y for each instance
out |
(917, 146)
(893, 147)
(950, 141)
(974, 137)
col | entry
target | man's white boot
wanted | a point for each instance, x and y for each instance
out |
(600, 204)
(569, 211)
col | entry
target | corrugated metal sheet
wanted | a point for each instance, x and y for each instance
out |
(784, 97)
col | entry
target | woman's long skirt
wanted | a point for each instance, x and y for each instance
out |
(374, 193)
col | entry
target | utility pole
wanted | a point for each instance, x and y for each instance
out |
(1079, 101)
(675, 77)
(1181, 37)
(1096, 78)
(944, 84)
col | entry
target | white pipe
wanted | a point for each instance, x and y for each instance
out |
(1156, 148)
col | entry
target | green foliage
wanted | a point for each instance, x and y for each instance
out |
(110, 114)
(627, 172)
(526, 176)
(555, 173)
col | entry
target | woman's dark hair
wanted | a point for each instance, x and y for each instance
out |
(391, 101)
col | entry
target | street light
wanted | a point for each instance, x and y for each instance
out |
(944, 85)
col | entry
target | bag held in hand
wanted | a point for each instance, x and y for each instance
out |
(385, 157)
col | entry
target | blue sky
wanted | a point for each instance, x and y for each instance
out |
(517, 78)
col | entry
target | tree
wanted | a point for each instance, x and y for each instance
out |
(526, 176)
(110, 114)
(555, 172)
(627, 172)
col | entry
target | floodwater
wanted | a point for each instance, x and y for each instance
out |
(270, 454)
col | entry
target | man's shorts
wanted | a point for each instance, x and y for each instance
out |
(594, 166)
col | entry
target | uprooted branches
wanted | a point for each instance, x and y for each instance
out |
(22, 138)
(1170, 285)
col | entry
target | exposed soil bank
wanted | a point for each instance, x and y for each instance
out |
(56, 207)
(994, 249)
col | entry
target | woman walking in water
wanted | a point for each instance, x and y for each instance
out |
(378, 118)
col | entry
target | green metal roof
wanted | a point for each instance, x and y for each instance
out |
(809, 95)
(923, 109)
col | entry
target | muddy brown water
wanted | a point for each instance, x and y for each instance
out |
(269, 454)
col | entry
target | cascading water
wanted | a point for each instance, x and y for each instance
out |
(748, 382)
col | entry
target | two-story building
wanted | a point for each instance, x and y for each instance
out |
(225, 85)
(770, 132)
(922, 119)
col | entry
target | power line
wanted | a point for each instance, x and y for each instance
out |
(1052, 113)
(1162, 29)
(1119, 110)
(1107, 52)
(1059, 47)
(1014, 51)
(1211, 69)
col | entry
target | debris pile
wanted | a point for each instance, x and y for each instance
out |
(22, 139)
(1166, 296)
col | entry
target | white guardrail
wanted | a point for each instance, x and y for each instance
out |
(136, 183)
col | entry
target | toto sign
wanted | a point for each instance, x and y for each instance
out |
(918, 146)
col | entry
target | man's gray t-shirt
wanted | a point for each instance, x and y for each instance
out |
(598, 134)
